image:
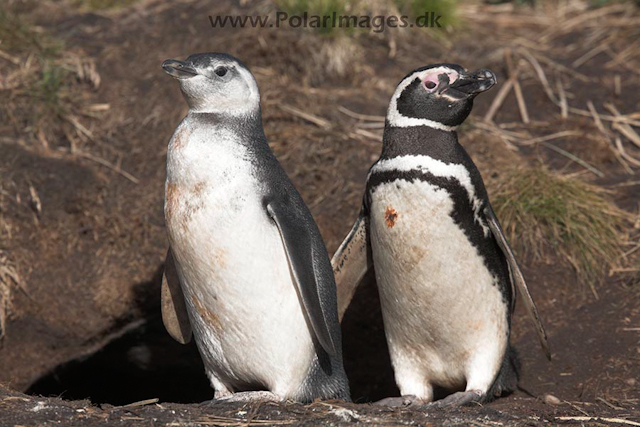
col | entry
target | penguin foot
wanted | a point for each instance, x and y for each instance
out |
(245, 396)
(460, 398)
(398, 402)
(250, 396)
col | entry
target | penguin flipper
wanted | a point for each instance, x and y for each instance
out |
(351, 262)
(310, 267)
(174, 309)
(517, 278)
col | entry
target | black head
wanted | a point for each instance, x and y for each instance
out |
(215, 83)
(439, 95)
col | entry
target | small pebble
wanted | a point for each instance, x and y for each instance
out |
(631, 382)
(550, 399)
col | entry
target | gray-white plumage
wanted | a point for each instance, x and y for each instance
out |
(247, 270)
(445, 272)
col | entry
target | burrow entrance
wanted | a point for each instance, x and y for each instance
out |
(147, 363)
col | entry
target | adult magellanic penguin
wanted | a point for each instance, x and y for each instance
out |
(247, 272)
(446, 275)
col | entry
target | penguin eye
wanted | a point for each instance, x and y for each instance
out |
(220, 71)
(430, 85)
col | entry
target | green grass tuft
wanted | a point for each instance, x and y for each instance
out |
(46, 91)
(317, 7)
(545, 213)
(444, 8)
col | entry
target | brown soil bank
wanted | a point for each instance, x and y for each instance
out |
(82, 227)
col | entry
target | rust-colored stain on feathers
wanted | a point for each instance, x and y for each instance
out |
(199, 188)
(209, 316)
(180, 139)
(171, 201)
(391, 216)
(181, 203)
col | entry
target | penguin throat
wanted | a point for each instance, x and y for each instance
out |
(243, 110)
(423, 140)
(247, 124)
(396, 119)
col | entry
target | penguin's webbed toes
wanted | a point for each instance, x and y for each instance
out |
(461, 398)
(398, 402)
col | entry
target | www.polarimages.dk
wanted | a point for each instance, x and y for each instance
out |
(378, 23)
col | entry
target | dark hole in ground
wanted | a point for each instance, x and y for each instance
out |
(142, 364)
(148, 363)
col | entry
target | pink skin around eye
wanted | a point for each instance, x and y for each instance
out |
(431, 80)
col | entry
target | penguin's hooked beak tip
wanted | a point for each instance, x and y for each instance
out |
(178, 69)
(471, 84)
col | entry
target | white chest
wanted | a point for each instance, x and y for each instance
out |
(210, 183)
(243, 305)
(440, 303)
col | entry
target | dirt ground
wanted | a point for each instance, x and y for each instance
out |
(84, 340)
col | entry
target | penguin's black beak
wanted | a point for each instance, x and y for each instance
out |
(179, 69)
(468, 85)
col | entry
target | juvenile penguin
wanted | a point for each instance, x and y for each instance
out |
(247, 271)
(446, 275)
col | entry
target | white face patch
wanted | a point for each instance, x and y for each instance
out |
(437, 168)
(235, 97)
(427, 77)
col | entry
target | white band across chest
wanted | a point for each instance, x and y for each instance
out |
(437, 168)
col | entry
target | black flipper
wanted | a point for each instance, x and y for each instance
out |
(351, 262)
(174, 309)
(517, 279)
(309, 264)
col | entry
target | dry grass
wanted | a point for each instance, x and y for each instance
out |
(631, 257)
(545, 213)
(447, 9)
(102, 4)
(44, 93)
(608, 46)
(46, 97)
(17, 36)
(43, 87)
(9, 280)
(335, 59)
